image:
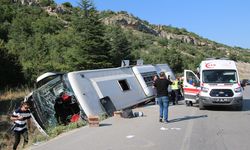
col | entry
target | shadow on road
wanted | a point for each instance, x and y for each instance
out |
(187, 118)
(246, 105)
(104, 124)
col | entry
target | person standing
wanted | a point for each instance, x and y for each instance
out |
(175, 91)
(154, 90)
(21, 118)
(161, 85)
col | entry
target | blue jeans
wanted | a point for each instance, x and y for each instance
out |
(163, 103)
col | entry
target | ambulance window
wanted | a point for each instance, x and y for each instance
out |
(219, 76)
(191, 79)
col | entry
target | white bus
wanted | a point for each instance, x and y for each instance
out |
(91, 92)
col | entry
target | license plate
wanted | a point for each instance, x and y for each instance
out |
(221, 100)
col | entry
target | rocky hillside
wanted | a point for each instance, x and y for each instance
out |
(244, 70)
(128, 21)
(178, 47)
(27, 2)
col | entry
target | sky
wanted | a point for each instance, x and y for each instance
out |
(222, 21)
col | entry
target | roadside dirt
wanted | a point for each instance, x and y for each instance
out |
(6, 108)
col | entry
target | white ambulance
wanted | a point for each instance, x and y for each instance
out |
(215, 83)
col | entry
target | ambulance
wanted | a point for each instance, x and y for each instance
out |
(216, 82)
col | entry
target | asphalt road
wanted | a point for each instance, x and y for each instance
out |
(189, 129)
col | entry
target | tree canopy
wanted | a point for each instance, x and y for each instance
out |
(39, 38)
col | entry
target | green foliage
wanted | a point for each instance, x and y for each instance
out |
(67, 4)
(91, 49)
(120, 48)
(5, 2)
(46, 2)
(38, 138)
(47, 25)
(87, 7)
(103, 117)
(163, 42)
(55, 131)
(7, 13)
(33, 41)
(233, 56)
(173, 57)
(10, 72)
(107, 13)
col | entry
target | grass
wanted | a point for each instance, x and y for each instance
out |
(14, 94)
(55, 131)
(103, 116)
(6, 141)
(9, 99)
(35, 136)
(10, 96)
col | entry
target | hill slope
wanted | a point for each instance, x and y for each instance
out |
(244, 70)
(189, 44)
(42, 37)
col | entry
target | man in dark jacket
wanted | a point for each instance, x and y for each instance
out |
(161, 84)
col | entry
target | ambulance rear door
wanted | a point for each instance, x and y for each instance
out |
(191, 87)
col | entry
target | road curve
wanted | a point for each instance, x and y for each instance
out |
(189, 129)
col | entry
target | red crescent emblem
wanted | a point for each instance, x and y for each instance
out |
(210, 65)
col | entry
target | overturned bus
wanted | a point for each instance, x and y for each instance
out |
(64, 97)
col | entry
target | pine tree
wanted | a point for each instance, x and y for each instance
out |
(11, 71)
(91, 52)
(120, 48)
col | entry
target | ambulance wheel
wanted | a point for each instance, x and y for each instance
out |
(187, 103)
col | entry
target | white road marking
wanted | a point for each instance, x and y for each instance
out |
(175, 128)
(130, 136)
(162, 128)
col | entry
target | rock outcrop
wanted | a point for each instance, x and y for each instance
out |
(27, 2)
(59, 9)
(244, 70)
(125, 20)
(128, 21)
